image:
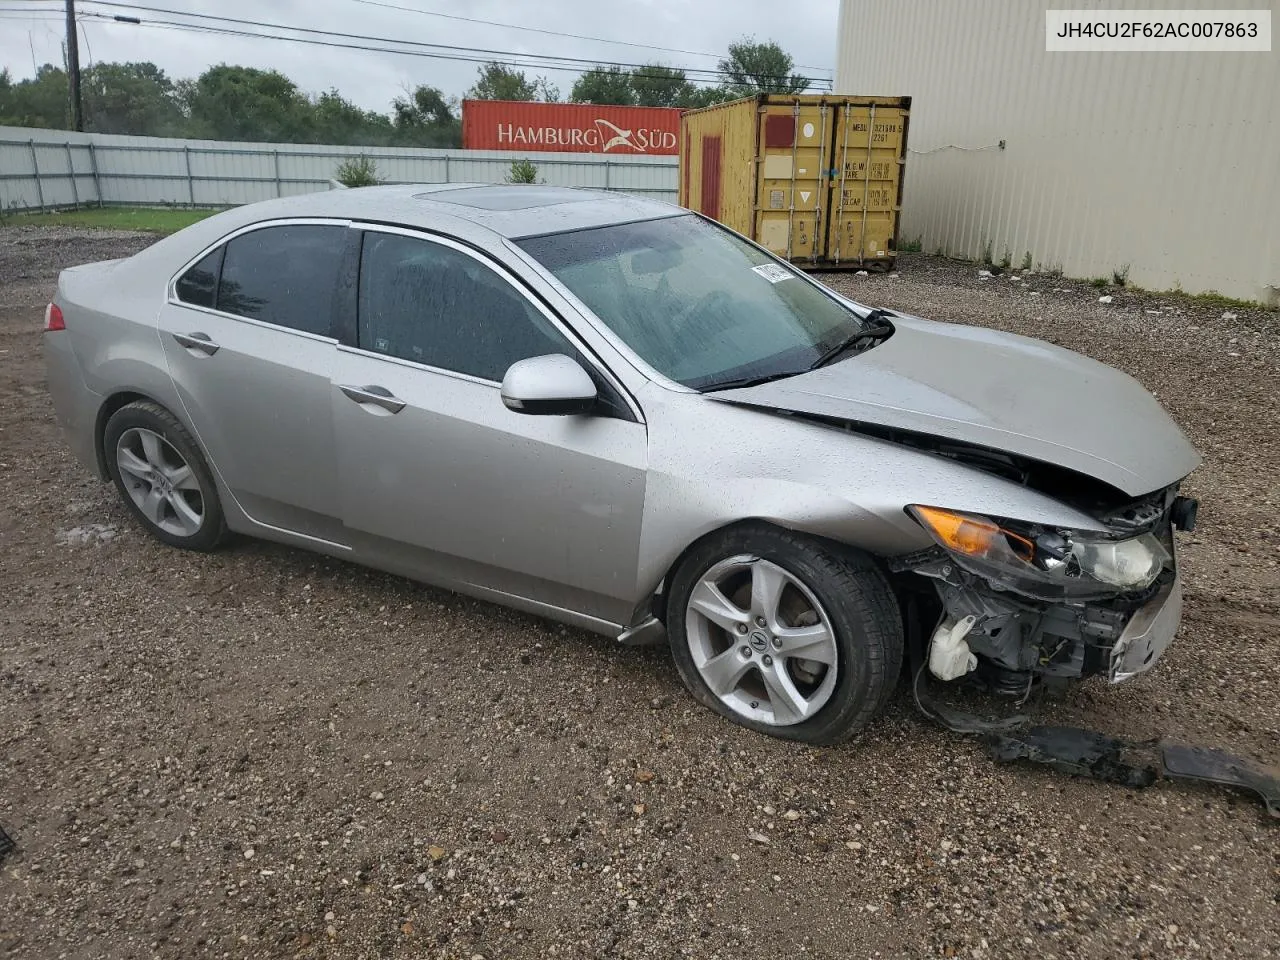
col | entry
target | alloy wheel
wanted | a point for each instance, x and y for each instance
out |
(160, 482)
(761, 641)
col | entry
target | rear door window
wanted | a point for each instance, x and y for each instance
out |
(284, 275)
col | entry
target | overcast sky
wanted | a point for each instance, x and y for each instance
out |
(372, 79)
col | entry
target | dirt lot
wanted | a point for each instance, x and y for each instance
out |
(263, 753)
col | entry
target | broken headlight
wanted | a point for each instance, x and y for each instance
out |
(1127, 564)
(1046, 563)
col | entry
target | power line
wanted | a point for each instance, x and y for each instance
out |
(516, 26)
(84, 35)
(524, 27)
(550, 33)
(463, 58)
(540, 61)
(459, 54)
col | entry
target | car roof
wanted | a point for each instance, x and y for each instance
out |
(509, 210)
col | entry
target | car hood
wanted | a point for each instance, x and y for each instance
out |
(1000, 391)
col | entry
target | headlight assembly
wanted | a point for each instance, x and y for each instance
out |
(1127, 564)
(1045, 563)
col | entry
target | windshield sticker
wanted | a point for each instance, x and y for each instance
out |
(773, 272)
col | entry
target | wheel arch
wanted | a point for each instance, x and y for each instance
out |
(656, 603)
(118, 401)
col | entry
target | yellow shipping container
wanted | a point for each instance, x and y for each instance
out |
(815, 178)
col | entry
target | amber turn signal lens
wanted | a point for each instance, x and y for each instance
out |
(963, 534)
(972, 536)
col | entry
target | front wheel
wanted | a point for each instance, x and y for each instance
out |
(776, 632)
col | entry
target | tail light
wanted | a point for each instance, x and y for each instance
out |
(53, 318)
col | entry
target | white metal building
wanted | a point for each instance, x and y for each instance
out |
(1165, 164)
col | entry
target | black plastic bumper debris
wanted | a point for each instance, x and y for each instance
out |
(1134, 763)
(6, 844)
(1088, 753)
(1216, 766)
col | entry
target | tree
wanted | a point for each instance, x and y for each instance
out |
(244, 103)
(753, 68)
(426, 119)
(498, 82)
(547, 91)
(604, 85)
(655, 85)
(335, 119)
(709, 96)
(39, 102)
(135, 98)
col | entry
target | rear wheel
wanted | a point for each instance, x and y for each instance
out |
(774, 631)
(162, 478)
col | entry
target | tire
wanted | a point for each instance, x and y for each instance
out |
(850, 604)
(146, 449)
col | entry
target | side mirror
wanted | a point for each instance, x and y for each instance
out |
(548, 386)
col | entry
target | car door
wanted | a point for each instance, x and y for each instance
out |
(443, 482)
(247, 334)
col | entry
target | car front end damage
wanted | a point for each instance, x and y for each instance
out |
(1020, 605)
(1023, 604)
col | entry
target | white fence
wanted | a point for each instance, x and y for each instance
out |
(46, 169)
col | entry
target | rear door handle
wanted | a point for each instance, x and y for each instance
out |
(197, 341)
(378, 396)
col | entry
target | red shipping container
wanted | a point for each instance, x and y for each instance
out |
(520, 125)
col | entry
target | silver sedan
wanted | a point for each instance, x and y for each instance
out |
(618, 414)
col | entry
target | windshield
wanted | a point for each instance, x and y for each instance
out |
(697, 303)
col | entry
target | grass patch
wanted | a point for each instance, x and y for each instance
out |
(912, 246)
(1214, 299)
(146, 219)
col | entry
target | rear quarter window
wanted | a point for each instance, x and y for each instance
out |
(199, 285)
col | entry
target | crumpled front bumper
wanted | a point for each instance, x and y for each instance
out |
(1148, 633)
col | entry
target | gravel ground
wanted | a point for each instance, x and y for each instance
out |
(263, 753)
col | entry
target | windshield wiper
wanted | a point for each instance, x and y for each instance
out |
(870, 332)
(749, 381)
(867, 335)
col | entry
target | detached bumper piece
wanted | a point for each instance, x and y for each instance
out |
(1087, 753)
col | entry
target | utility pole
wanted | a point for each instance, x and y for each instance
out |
(73, 68)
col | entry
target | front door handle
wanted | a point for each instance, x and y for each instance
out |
(378, 396)
(197, 341)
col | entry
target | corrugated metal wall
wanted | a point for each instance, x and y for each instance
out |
(36, 168)
(1167, 163)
